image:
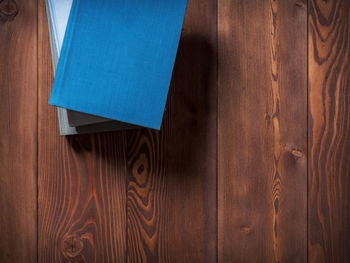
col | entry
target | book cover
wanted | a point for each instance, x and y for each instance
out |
(58, 13)
(117, 59)
(56, 39)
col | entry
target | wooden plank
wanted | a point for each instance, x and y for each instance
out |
(262, 131)
(172, 173)
(81, 183)
(329, 131)
(18, 130)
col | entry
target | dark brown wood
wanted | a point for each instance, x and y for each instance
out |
(329, 131)
(226, 177)
(262, 132)
(18, 131)
(81, 183)
(172, 173)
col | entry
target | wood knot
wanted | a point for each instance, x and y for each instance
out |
(72, 246)
(8, 10)
(297, 153)
(246, 229)
(301, 4)
(140, 169)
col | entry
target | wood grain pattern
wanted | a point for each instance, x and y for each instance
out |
(262, 130)
(172, 173)
(245, 137)
(329, 131)
(81, 183)
(18, 130)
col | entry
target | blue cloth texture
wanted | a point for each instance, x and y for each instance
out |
(117, 59)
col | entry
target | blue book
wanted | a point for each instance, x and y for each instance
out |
(117, 59)
(57, 14)
(72, 122)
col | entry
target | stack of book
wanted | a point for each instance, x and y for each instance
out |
(113, 61)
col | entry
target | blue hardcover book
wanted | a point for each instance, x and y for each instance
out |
(57, 14)
(117, 59)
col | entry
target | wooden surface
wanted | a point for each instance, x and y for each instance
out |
(81, 182)
(18, 131)
(252, 163)
(329, 131)
(262, 166)
(171, 197)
